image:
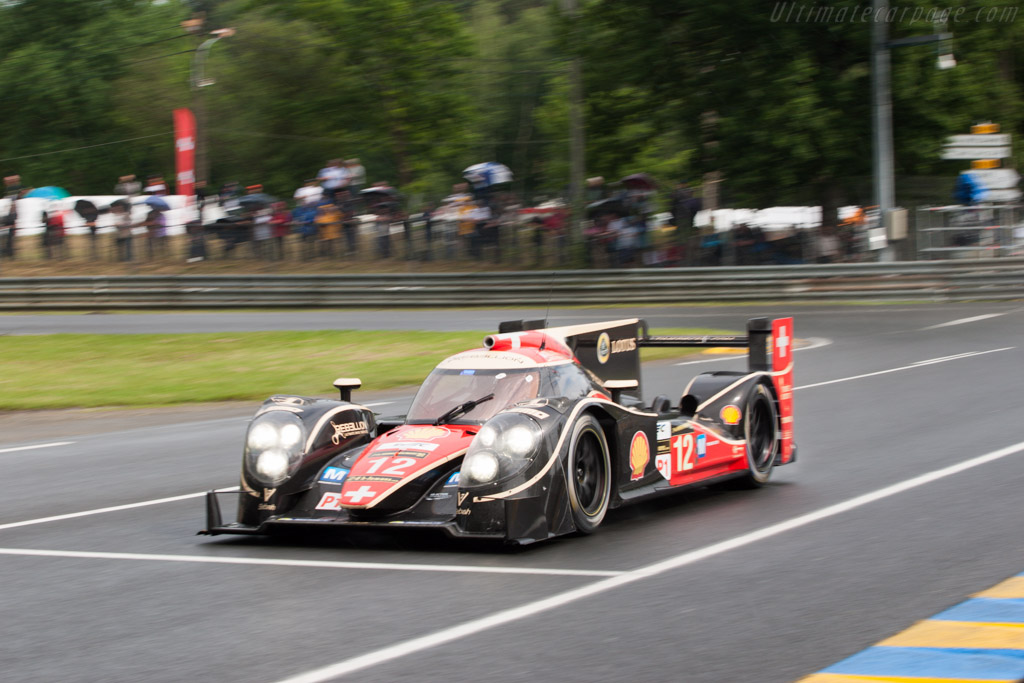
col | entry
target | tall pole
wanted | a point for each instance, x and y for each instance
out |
(577, 160)
(198, 80)
(881, 102)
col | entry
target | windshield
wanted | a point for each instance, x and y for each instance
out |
(445, 389)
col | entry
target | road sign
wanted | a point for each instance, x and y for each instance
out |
(997, 178)
(1002, 196)
(996, 140)
(985, 128)
(976, 152)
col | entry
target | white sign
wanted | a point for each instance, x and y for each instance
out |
(1001, 196)
(975, 152)
(997, 178)
(991, 140)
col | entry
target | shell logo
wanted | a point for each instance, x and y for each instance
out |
(604, 348)
(639, 455)
(730, 414)
(424, 433)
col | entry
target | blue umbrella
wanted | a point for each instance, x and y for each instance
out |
(487, 174)
(49, 192)
(158, 203)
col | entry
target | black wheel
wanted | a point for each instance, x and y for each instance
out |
(761, 429)
(588, 471)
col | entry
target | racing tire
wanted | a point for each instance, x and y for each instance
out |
(761, 430)
(588, 471)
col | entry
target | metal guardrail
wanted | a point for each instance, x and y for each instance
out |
(991, 279)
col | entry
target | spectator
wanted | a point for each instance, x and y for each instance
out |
(356, 176)
(8, 222)
(155, 185)
(127, 185)
(328, 221)
(279, 226)
(196, 241)
(348, 205)
(828, 245)
(262, 232)
(596, 189)
(310, 193)
(332, 177)
(384, 227)
(122, 230)
(304, 222)
(429, 213)
(156, 226)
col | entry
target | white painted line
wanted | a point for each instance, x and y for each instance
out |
(38, 445)
(917, 364)
(115, 508)
(503, 617)
(964, 321)
(815, 343)
(322, 564)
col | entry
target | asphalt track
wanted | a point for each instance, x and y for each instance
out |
(760, 586)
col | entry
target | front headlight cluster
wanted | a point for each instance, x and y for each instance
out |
(273, 447)
(502, 448)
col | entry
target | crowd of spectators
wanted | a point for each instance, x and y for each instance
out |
(336, 216)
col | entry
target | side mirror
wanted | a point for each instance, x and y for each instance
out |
(345, 385)
(617, 386)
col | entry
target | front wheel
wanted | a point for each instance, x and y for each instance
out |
(589, 474)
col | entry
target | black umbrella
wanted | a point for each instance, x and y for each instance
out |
(613, 205)
(123, 203)
(87, 210)
(256, 200)
(639, 181)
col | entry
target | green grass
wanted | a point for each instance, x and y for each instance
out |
(93, 370)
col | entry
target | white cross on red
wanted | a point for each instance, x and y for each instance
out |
(782, 342)
(357, 496)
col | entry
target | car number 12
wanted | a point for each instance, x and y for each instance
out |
(682, 447)
(397, 467)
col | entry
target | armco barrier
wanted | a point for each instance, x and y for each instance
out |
(1001, 279)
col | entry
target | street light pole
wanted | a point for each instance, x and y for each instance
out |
(881, 104)
(197, 80)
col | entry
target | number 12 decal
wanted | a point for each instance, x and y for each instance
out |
(682, 448)
(396, 469)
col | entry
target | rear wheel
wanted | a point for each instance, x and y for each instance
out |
(589, 474)
(760, 427)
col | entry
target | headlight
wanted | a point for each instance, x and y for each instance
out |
(502, 448)
(273, 447)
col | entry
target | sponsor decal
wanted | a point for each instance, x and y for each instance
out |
(468, 372)
(621, 345)
(357, 496)
(535, 414)
(411, 454)
(464, 511)
(329, 501)
(267, 493)
(289, 400)
(639, 455)
(334, 475)
(738, 451)
(405, 446)
(663, 461)
(425, 433)
(438, 496)
(664, 429)
(347, 429)
(453, 480)
(702, 446)
(267, 506)
(374, 477)
(730, 414)
(462, 496)
(604, 348)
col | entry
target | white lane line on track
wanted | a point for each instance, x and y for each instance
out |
(115, 508)
(321, 564)
(514, 614)
(38, 445)
(916, 364)
(815, 343)
(964, 321)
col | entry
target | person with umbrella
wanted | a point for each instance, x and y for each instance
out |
(156, 226)
(89, 213)
(121, 210)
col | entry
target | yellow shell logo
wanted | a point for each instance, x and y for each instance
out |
(639, 455)
(730, 415)
(604, 348)
(424, 433)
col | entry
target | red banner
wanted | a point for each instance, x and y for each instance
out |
(185, 150)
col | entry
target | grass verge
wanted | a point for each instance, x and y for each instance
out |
(93, 370)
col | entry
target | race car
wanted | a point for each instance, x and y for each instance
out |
(537, 434)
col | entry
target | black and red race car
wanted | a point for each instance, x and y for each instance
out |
(538, 433)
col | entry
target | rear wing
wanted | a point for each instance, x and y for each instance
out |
(769, 345)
